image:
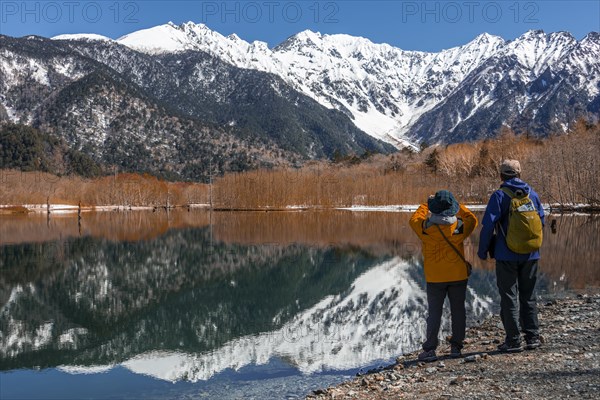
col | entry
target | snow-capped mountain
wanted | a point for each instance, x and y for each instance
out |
(311, 96)
(383, 88)
(398, 95)
(173, 114)
(537, 84)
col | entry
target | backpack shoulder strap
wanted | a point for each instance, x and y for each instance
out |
(450, 243)
(509, 192)
(511, 195)
(467, 264)
(518, 194)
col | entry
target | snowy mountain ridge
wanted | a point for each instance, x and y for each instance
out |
(152, 94)
(171, 112)
(386, 90)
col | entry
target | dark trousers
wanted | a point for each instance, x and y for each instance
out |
(516, 283)
(436, 294)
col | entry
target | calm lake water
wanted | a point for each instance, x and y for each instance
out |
(228, 305)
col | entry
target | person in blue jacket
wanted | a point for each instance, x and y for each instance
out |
(516, 274)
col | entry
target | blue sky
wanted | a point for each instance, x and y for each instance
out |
(411, 25)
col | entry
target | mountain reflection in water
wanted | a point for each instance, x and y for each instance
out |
(187, 295)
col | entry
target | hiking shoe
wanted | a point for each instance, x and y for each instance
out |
(532, 344)
(428, 356)
(455, 351)
(510, 347)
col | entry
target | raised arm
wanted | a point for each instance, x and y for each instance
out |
(469, 220)
(417, 219)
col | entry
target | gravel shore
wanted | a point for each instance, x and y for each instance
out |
(566, 366)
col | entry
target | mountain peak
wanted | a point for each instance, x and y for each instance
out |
(298, 39)
(308, 34)
(171, 37)
(487, 38)
(259, 45)
(592, 37)
(192, 26)
(158, 39)
(306, 37)
(188, 25)
(534, 33)
(485, 42)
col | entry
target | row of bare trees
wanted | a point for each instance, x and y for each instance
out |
(18, 188)
(564, 169)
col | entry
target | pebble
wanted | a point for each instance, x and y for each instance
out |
(472, 358)
(457, 380)
(431, 370)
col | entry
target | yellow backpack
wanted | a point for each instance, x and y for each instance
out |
(524, 232)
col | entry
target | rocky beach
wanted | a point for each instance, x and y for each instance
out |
(567, 365)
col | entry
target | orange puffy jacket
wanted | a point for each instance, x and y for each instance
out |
(441, 263)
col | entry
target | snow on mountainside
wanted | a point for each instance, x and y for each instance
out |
(82, 36)
(537, 83)
(189, 36)
(117, 104)
(584, 58)
(386, 90)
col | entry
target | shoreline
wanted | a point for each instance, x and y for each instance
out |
(566, 365)
(21, 209)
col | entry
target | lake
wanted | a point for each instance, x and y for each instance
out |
(198, 304)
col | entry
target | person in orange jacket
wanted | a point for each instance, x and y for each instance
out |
(438, 223)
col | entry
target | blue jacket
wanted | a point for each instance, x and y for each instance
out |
(497, 210)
